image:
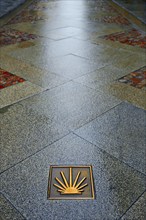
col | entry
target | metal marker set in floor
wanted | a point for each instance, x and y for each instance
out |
(71, 182)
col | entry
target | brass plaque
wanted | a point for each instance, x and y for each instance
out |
(70, 182)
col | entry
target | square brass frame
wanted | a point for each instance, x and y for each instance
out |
(58, 195)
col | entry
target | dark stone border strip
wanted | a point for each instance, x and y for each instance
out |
(8, 16)
(129, 15)
(7, 6)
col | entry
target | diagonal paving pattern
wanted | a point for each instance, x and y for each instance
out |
(72, 108)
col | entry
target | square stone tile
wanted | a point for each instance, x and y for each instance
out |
(117, 186)
(120, 132)
(42, 119)
(137, 211)
(76, 182)
(7, 210)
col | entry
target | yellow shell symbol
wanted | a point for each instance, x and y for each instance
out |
(70, 188)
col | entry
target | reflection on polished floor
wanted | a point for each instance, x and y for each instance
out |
(72, 93)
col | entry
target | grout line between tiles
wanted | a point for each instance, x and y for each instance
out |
(109, 154)
(44, 89)
(13, 205)
(98, 116)
(35, 152)
(132, 204)
(21, 99)
(69, 132)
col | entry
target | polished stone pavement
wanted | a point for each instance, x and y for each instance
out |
(62, 102)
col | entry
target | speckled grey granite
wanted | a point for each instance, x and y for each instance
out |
(27, 133)
(63, 32)
(103, 55)
(7, 211)
(117, 185)
(8, 5)
(42, 119)
(120, 132)
(69, 66)
(101, 77)
(137, 211)
(52, 49)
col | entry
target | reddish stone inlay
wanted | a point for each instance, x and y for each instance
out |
(136, 78)
(132, 37)
(26, 16)
(8, 79)
(10, 36)
(116, 19)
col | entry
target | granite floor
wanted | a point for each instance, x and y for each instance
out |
(72, 92)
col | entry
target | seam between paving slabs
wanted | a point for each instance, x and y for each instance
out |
(69, 132)
(132, 204)
(44, 90)
(48, 89)
(21, 99)
(93, 145)
(88, 59)
(35, 153)
(13, 205)
(72, 130)
(110, 155)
